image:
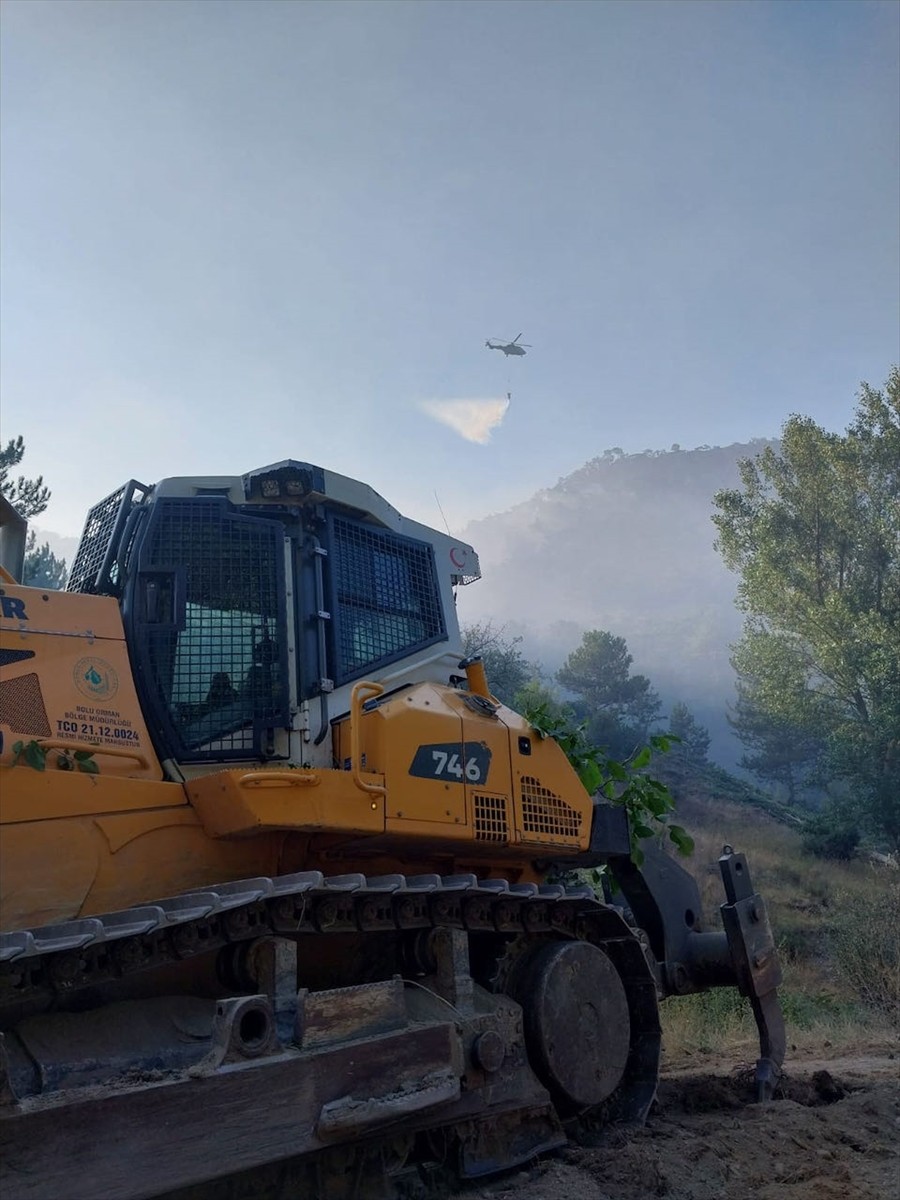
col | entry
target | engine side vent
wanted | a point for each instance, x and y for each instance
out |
(491, 823)
(546, 814)
(22, 706)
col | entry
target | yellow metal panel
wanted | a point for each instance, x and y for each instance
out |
(453, 773)
(121, 828)
(58, 870)
(240, 802)
(30, 894)
(552, 807)
(391, 736)
(432, 834)
(70, 614)
(164, 860)
(491, 798)
(75, 688)
(29, 795)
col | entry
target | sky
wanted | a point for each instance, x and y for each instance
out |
(238, 232)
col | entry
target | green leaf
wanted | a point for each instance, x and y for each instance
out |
(646, 800)
(663, 742)
(657, 805)
(36, 756)
(682, 839)
(613, 883)
(590, 776)
(88, 766)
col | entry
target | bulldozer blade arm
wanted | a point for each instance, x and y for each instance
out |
(754, 958)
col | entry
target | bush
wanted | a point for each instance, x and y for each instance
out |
(865, 942)
(832, 833)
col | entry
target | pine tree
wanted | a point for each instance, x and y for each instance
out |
(30, 498)
(815, 535)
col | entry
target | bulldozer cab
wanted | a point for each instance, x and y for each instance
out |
(251, 605)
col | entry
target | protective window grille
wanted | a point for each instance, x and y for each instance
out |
(219, 676)
(545, 813)
(22, 706)
(386, 599)
(93, 568)
(490, 818)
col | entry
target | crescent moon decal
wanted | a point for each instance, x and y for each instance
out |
(453, 557)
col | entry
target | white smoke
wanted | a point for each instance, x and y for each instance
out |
(475, 420)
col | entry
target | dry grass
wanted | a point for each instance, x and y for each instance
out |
(865, 943)
(836, 926)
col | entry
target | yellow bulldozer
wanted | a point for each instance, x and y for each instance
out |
(276, 870)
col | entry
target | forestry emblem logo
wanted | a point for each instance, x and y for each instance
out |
(96, 678)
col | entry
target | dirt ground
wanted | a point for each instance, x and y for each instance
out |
(833, 1133)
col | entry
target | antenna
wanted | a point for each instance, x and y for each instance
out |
(441, 511)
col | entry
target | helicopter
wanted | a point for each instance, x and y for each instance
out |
(513, 347)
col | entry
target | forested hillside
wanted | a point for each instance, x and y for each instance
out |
(625, 543)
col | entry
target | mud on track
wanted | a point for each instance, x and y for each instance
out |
(832, 1134)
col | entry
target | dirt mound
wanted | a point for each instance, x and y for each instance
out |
(829, 1136)
(713, 1093)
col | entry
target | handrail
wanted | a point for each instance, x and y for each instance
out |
(262, 779)
(90, 748)
(366, 689)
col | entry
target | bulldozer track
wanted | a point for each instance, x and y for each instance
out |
(506, 1118)
(53, 960)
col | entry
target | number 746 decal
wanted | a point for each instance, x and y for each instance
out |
(453, 762)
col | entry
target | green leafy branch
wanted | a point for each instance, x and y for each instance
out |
(646, 800)
(34, 755)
